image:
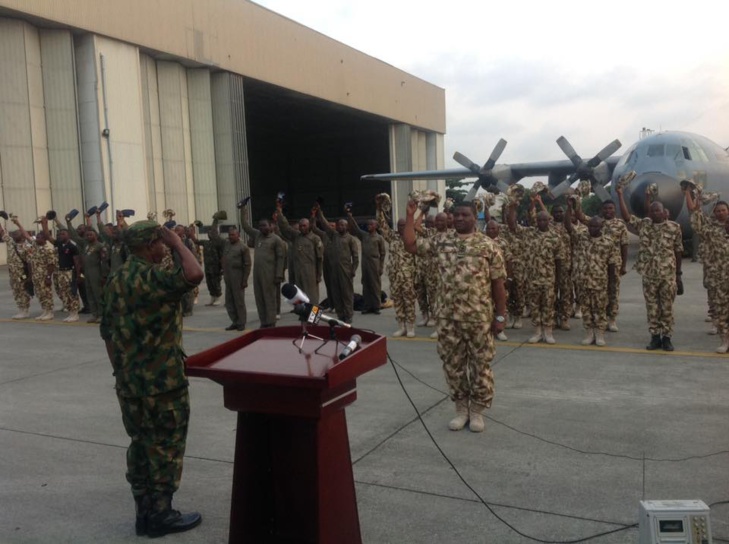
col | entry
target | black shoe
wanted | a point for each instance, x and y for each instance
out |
(232, 327)
(667, 346)
(655, 342)
(84, 311)
(171, 521)
(143, 506)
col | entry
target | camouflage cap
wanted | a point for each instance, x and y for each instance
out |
(141, 233)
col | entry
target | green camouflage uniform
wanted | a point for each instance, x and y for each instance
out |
(17, 259)
(544, 250)
(40, 258)
(401, 271)
(95, 258)
(307, 258)
(659, 243)
(465, 311)
(142, 323)
(212, 260)
(591, 271)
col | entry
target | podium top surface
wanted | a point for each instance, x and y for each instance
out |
(277, 356)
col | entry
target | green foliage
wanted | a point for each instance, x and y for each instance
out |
(455, 190)
(591, 205)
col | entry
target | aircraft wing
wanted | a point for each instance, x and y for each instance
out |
(453, 173)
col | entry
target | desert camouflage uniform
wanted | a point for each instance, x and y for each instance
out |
(467, 267)
(505, 249)
(565, 299)
(659, 243)
(591, 271)
(401, 271)
(720, 281)
(616, 229)
(142, 320)
(516, 288)
(713, 255)
(64, 281)
(17, 259)
(432, 276)
(578, 260)
(543, 250)
(40, 258)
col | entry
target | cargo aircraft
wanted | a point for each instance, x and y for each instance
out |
(663, 159)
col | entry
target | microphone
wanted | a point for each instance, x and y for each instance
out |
(293, 294)
(313, 315)
(354, 343)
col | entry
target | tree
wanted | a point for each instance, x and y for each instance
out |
(455, 190)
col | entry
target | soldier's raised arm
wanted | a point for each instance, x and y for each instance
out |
(47, 231)
(354, 227)
(287, 231)
(247, 228)
(23, 232)
(325, 222)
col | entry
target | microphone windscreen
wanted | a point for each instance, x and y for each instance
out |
(288, 290)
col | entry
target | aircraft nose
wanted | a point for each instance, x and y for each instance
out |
(669, 193)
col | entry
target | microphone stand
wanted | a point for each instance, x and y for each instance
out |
(305, 334)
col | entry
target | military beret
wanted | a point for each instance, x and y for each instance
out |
(141, 233)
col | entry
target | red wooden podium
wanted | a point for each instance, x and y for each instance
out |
(292, 479)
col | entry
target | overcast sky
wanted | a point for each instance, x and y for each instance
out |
(530, 71)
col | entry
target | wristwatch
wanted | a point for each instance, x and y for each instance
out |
(500, 319)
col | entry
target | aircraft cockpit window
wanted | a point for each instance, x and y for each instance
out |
(692, 152)
(656, 150)
(686, 154)
(674, 151)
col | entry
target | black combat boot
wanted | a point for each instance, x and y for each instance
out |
(143, 506)
(164, 520)
(667, 346)
(655, 342)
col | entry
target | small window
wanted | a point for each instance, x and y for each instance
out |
(655, 150)
(686, 153)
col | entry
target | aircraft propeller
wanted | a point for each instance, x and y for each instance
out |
(485, 174)
(586, 170)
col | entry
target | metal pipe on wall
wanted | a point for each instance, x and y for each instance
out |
(106, 134)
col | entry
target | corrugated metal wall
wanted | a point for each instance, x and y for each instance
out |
(202, 143)
(152, 136)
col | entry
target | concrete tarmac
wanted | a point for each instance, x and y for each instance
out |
(576, 437)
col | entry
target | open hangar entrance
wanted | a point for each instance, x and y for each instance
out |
(310, 148)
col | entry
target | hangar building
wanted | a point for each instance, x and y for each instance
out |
(192, 104)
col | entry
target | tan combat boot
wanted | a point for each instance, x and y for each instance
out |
(434, 334)
(613, 325)
(537, 336)
(401, 329)
(724, 344)
(517, 323)
(589, 337)
(72, 317)
(22, 314)
(548, 338)
(424, 321)
(599, 338)
(475, 417)
(45, 316)
(458, 422)
(410, 330)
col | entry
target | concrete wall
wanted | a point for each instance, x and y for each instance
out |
(244, 38)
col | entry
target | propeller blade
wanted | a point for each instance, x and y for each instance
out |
(608, 150)
(558, 190)
(568, 150)
(502, 186)
(495, 154)
(472, 192)
(600, 191)
(466, 162)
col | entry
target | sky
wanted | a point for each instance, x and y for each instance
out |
(531, 71)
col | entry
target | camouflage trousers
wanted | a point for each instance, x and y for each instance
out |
(157, 426)
(213, 278)
(721, 308)
(421, 288)
(17, 284)
(564, 297)
(659, 296)
(43, 291)
(403, 297)
(541, 305)
(593, 304)
(515, 296)
(613, 296)
(713, 285)
(467, 349)
(432, 278)
(63, 282)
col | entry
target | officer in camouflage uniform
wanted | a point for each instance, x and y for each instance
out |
(142, 328)
(432, 274)
(69, 263)
(401, 271)
(18, 248)
(599, 256)
(472, 291)
(659, 262)
(78, 236)
(269, 257)
(373, 263)
(493, 231)
(307, 254)
(343, 255)
(95, 262)
(714, 255)
(516, 281)
(544, 248)
(111, 236)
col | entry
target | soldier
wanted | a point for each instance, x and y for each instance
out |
(324, 237)
(18, 270)
(421, 274)
(401, 271)
(236, 266)
(308, 254)
(269, 256)
(493, 231)
(188, 299)
(69, 264)
(659, 262)
(373, 262)
(212, 258)
(343, 257)
(78, 236)
(471, 309)
(544, 248)
(111, 236)
(616, 229)
(714, 255)
(142, 329)
(516, 281)
(42, 261)
(95, 262)
(598, 258)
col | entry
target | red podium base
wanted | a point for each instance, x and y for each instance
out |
(292, 479)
